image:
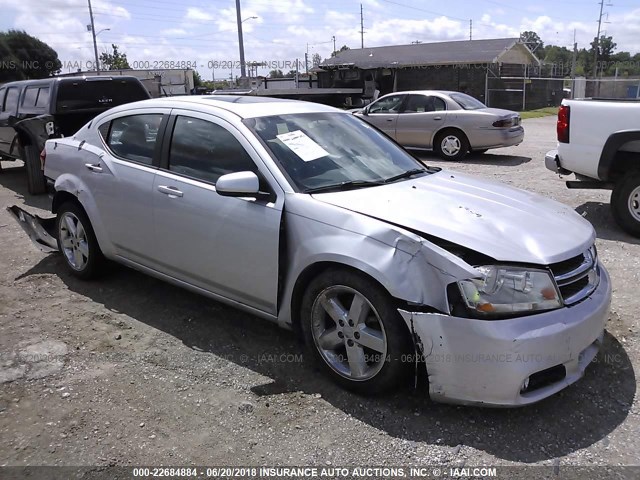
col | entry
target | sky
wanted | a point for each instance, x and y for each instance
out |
(203, 33)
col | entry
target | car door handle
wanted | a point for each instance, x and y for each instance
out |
(93, 167)
(171, 191)
(390, 119)
(437, 118)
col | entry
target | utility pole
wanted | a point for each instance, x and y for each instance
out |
(95, 44)
(306, 60)
(243, 71)
(470, 29)
(597, 43)
(334, 42)
(574, 57)
(361, 28)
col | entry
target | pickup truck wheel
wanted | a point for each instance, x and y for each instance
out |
(625, 204)
(353, 332)
(77, 242)
(35, 176)
(451, 145)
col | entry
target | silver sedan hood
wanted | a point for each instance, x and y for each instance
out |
(494, 219)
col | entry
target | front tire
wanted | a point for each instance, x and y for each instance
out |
(354, 332)
(625, 203)
(77, 242)
(451, 145)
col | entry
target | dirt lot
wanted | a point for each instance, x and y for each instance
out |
(129, 370)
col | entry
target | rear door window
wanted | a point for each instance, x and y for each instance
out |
(98, 94)
(134, 137)
(2, 92)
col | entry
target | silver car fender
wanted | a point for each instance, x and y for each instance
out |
(409, 267)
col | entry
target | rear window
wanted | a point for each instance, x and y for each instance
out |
(98, 94)
(467, 102)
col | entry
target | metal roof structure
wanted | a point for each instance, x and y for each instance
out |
(463, 52)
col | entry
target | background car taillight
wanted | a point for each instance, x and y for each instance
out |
(562, 127)
(43, 158)
(507, 122)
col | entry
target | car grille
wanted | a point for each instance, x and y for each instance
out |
(577, 277)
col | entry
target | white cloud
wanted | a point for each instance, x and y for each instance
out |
(173, 31)
(194, 13)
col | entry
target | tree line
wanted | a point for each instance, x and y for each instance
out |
(562, 59)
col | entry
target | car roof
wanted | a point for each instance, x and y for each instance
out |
(47, 80)
(423, 92)
(240, 105)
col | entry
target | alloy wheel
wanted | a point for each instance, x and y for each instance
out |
(348, 333)
(634, 204)
(73, 239)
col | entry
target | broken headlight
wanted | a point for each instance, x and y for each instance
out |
(503, 290)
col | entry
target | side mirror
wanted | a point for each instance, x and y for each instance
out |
(239, 184)
(365, 111)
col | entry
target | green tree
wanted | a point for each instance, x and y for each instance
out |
(558, 59)
(605, 47)
(276, 74)
(114, 60)
(316, 60)
(533, 41)
(24, 57)
(342, 49)
(197, 79)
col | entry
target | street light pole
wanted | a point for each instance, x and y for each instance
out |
(95, 44)
(243, 71)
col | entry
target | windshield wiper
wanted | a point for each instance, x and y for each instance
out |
(344, 185)
(407, 174)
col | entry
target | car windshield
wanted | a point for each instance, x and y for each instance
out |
(322, 151)
(467, 102)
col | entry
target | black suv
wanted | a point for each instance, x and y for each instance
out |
(33, 111)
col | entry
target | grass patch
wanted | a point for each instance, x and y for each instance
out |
(541, 112)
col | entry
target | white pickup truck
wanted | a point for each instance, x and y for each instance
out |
(599, 141)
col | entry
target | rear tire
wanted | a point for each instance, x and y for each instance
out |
(451, 145)
(36, 182)
(77, 242)
(366, 348)
(625, 203)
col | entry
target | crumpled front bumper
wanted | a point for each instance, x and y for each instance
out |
(486, 362)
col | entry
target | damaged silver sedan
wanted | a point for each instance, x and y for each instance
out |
(311, 218)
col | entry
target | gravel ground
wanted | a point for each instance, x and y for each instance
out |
(130, 370)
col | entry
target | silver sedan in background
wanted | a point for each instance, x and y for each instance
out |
(449, 123)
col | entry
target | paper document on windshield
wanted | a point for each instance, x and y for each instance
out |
(302, 145)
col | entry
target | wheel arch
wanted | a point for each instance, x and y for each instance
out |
(69, 188)
(613, 161)
(311, 271)
(444, 129)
